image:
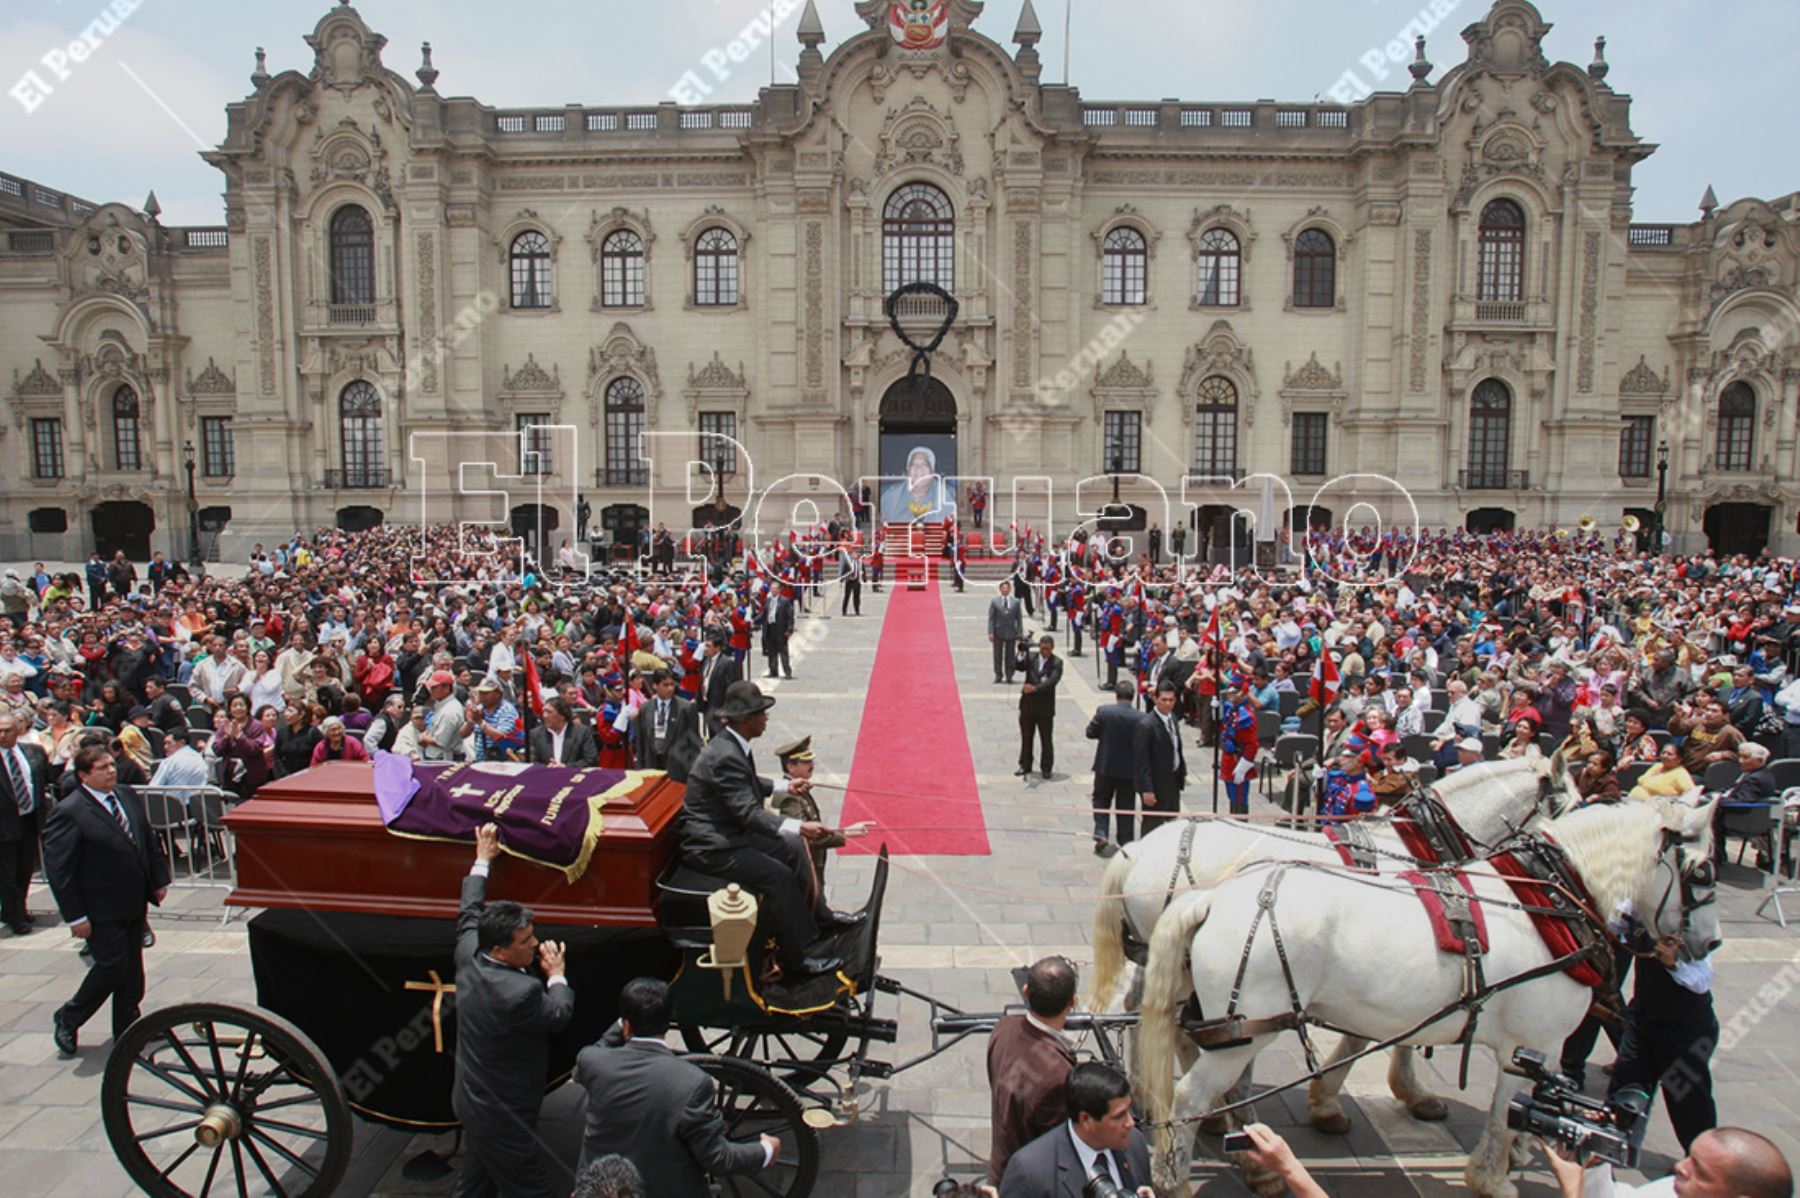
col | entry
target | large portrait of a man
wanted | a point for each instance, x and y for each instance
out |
(920, 496)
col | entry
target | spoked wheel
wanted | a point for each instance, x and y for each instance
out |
(802, 1052)
(209, 1098)
(755, 1102)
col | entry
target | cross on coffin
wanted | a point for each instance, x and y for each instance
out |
(467, 791)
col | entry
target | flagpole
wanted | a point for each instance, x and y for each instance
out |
(1218, 711)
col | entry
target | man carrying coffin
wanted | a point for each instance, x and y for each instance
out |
(729, 834)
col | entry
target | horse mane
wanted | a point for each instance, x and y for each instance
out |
(1606, 843)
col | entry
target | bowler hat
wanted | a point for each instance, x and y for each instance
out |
(743, 700)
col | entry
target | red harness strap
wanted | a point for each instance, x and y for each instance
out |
(1415, 840)
(1447, 938)
(1558, 936)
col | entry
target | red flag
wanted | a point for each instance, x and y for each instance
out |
(534, 693)
(1325, 682)
(1211, 635)
(628, 642)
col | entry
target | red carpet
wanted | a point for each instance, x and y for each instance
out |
(913, 773)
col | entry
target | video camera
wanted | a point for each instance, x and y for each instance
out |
(1584, 1128)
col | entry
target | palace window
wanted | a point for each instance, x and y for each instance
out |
(1737, 425)
(1220, 268)
(1635, 438)
(359, 411)
(1308, 449)
(1502, 262)
(46, 447)
(535, 439)
(622, 270)
(1490, 435)
(1122, 451)
(1315, 270)
(352, 256)
(722, 454)
(1124, 268)
(624, 429)
(1215, 427)
(531, 270)
(218, 456)
(126, 456)
(716, 269)
(918, 238)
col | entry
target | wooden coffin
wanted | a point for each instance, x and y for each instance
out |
(315, 841)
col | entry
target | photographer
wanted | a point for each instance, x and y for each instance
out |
(1727, 1162)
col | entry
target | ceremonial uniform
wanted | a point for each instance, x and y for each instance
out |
(805, 808)
(1238, 747)
(1346, 795)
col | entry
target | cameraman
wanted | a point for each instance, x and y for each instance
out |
(1726, 1162)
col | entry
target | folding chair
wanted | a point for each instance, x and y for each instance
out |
(1719, 776)
(1418, 747)
(1290, 703)
(1290, 750)
(1629, 775)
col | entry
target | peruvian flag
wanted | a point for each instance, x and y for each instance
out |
(628, 641)
(1210, 637)
(534, 691)
(1325, 682)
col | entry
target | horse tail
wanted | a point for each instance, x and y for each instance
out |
(1166, 983)
(1109, 932)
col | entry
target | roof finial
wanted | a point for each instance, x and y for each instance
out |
(1598, 68)
(1420, 66)
(260, 75)
(427, 73)
(1030, 31)
(152, 209)
(812, 31)
(1708, 203)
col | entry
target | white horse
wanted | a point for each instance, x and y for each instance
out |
(1365, 959)
(1489, 801)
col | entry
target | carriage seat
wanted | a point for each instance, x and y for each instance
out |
(682, 913)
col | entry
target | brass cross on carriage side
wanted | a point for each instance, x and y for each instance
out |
(438, 988)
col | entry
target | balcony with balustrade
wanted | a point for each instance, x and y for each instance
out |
(1482, 479)
(379, 316)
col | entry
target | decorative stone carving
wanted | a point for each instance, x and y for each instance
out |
(531, 377)
(1420, 335)
(815, 305)
(1125, 385)
(1312, 376)
(1509, 42)
(715, 386)
(211, 381)
(428, 326)
(918, 133)
(1589, 324)
(623, 353)
(1023, 332)
(1220, 352)
(715, 375)
(263, 273)
(1642, 380)
(39, 382)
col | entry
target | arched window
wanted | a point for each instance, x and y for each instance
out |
(624, 428)
(716, 269)
(352, 256)
(531, 270)
(1502, 263)
(1490, 435)
(1737, 426)
(359, 410)
(918, 238)
(125, 430)
(1215, 427)
(1315, 270)
(1124, 267)
(622, 270)
(1221, 265)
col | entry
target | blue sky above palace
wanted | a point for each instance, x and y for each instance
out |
(134, 115)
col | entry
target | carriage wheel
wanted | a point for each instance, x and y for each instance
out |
(210, 1098)
(756, 1102)
(804, 1052)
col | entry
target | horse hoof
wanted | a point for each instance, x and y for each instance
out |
(1215, 1125)
(1336, 1123)
(1430, 1110)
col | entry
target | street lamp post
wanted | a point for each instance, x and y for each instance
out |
(1662, 491)
(187, 459)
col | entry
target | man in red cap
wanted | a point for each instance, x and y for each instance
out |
(442, 739)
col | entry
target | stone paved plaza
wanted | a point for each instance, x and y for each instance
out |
(953, 927)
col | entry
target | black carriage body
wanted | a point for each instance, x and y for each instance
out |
(362, 987)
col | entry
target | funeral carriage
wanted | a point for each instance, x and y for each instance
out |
(352, 954)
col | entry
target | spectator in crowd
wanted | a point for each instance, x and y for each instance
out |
(295, 742)
(1100, 1135)
(336, 745)
(1667, 779)
(182, 765)
(1029, 1059)
(610, 1177)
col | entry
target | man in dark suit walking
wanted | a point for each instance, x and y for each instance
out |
(778, 625)
(850, 576)
(561, 739)
(505, 1016)
(1115, 727)
(667, 730)
(1100, 1136)
(23, 771)
(1005, 627)
(1037, 704)
(101, 861)
(1161, 760)
(728, 833)
(718, 670)
(674, 1134)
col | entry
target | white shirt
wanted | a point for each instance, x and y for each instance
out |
(184, 767)
(556, 742)
(1088, 1157)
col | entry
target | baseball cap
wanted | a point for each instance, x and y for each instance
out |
(441, 678)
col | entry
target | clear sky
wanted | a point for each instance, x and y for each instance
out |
(1710, 81)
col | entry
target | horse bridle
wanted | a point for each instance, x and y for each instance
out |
(1699, 884)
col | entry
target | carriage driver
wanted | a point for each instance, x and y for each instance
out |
(729, 834)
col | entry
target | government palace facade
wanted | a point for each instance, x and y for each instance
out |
(419, 304)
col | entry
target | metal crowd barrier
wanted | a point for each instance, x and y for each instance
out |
(189, 825)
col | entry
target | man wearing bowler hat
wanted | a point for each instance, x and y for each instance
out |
(729, 834)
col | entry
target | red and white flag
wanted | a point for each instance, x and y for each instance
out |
(1210, 637)
(1325, 681)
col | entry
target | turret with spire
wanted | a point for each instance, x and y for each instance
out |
(812, 35)
(1028, 34)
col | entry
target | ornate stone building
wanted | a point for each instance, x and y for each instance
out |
(1442, 286)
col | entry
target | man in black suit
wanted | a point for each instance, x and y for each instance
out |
(778, 626)
(103, 867)
(718, 670)
(505, 1016)
(728, 833)
(1037, 704)
(667, 730)
(23, 806)
(1161, 760)
(674, 1134)
(850, 576)
(1115, 728)
(1100, 1137)
(561, 739)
